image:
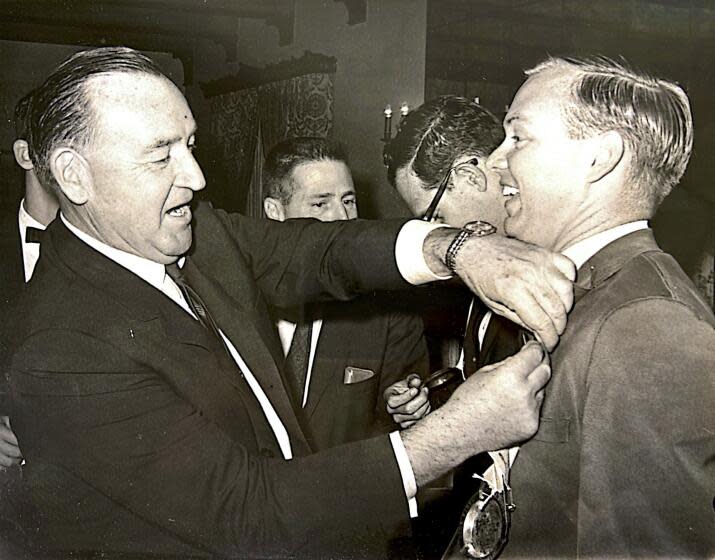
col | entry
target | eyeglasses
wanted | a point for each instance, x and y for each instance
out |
(429, 214)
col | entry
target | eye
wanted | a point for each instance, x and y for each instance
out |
(350, 201)
(163, 161)
(318, 204)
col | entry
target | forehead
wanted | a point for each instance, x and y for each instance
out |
(140, 105)
(312, 176)
(541, 98)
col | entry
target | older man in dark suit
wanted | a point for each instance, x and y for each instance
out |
(147, 395)
(623, 462)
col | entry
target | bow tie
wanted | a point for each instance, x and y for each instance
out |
(33, 234)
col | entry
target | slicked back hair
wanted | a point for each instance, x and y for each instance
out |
(285, 156)
(21, 116)
(61, 110)
(438, 132)
(652, 116)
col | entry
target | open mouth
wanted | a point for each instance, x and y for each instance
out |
(508, 190)
(181, 211)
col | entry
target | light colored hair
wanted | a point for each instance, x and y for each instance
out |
(652, 116)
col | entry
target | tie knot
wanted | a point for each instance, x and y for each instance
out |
(175, 273)
(33, 234)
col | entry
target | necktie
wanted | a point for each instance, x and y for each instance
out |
(194, 301)
(296, 362)
(33, 234)
(471, 338)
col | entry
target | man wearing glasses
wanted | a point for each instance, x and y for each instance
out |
(437, 163)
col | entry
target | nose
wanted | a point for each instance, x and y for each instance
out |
(190, 174)
(497, 159)
(338, 212)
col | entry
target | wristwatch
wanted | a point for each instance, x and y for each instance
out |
(477, 228)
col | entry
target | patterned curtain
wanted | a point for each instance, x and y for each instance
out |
(249, 122)
(234, 129)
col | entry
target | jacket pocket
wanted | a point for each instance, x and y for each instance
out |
(553, 430)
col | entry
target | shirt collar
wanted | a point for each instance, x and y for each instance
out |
(583, 250)
(149, 271)
(26, 220)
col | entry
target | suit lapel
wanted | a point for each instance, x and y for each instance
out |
(322, 377)
(156, 332)
(239, 324)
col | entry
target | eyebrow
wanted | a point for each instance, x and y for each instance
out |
(164, 142)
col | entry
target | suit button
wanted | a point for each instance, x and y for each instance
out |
(267, 453)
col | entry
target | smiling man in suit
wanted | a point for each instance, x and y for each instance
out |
(623, 462)
(146, 388)
(353, 351)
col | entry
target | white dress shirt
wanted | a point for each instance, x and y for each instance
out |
(30, 251)
(410, 262)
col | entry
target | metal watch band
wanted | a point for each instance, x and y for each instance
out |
(478, 228)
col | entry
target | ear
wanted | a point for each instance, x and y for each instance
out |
(609, 150)
(72, 173)
(470, 176)
(22, 154)
(274, 209)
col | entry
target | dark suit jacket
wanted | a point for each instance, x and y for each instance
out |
(140, 436)
(623, 463)
(365, 334)
(12, 272)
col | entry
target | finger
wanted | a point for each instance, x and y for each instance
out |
(566, 266)
(525, 361)
(539, 377)
(7, 435)
(415, 404)
(414, 416)
(414, 380)
(532, 316)
(12, 451)
(551, 303)
(397, 401)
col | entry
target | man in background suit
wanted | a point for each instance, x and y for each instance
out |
(451, 136)
(357, 349)
(148, 398)
(19, 252)
(623, 462)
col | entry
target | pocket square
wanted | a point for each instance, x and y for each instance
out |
(356, 375)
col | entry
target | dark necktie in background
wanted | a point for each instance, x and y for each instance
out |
(33, 234)
(296, 362)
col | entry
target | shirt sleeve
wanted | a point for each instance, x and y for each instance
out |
(409, 255)
(408, 475)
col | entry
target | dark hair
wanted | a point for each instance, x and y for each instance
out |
(438, 132)
(61, 110)
(21, 117)
(289, 154)
(652, 116)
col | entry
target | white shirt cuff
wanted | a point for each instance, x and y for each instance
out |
(408, 476)
(409, 254)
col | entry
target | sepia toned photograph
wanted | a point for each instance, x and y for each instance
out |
(357, 279)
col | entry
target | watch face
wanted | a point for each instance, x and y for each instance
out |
(480, 228)
(485, 527)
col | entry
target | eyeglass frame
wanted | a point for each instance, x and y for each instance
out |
(428, 216)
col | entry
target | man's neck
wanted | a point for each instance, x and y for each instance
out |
(40, 204)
